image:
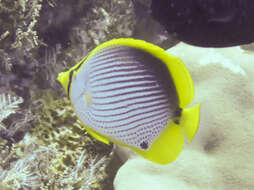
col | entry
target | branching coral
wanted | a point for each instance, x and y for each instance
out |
(86, 171)
(37, 168)
(21, 174)
(61, 154)
(110, 20)
(8, 105)
(4, 35)
(49, 147)
(23, 15)
(25, 32)
(18, 37)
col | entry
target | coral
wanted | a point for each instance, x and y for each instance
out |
(85, 173)
(41, 138)
(56, 153)
(21, 174)
(18, 38)
(103, 21)
(22, 16)
(13, 116)
(10, 131)
(79, 158)
(8, 105)
(112, 20)
(36, 170)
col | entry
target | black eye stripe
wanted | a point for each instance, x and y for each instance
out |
(80, 64)
(69, 84)
(70, 76)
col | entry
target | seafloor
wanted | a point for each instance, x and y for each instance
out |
(44, 146)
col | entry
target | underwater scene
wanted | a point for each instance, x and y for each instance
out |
(126, 95)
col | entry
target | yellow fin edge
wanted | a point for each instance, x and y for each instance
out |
(183, 82)
(97, 136)
(164, 150)
(167, 147)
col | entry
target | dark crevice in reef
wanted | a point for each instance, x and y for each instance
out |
(56, 21)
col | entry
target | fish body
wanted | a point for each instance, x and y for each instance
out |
(134, 94)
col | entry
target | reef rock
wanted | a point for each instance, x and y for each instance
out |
(221, 155)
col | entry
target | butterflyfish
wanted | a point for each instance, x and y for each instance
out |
(134, 94)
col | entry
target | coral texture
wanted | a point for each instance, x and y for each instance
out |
(56, 152)
(43, 144)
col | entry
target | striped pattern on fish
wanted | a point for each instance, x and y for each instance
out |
(132, 96)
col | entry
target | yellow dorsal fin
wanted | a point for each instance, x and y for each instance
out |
(190, 121)
(167, 147)
(183, 82)
(179, 72)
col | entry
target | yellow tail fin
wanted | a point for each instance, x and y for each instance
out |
(190, 121)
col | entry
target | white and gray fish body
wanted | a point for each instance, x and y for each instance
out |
(131, 95)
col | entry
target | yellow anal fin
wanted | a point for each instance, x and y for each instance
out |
(167, 147)
(190, 121)
(97, 136)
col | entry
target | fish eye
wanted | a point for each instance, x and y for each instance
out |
(144, 145)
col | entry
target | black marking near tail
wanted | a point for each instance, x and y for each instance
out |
(178, 112)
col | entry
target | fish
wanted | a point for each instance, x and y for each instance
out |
(206, 23)
(133, 93)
